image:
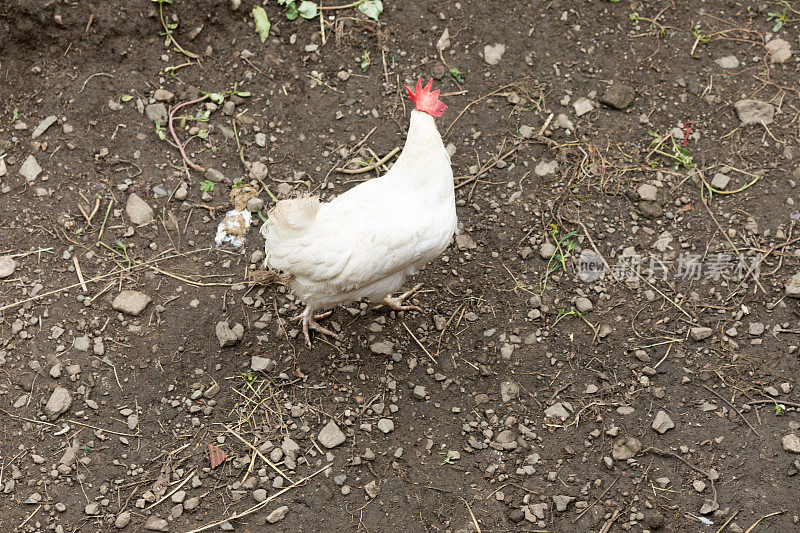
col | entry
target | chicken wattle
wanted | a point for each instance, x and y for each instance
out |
(367, 241)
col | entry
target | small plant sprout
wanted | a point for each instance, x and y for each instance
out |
(309, 10)
(207, 186)
(564, 247)
(160, 131)
(780, 18)
(365, 61)
(456, 75)
(780, 409)
(168, 27)
(14, 115)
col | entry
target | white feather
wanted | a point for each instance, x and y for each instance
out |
(365, 242)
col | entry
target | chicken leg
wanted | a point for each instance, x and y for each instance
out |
(397, 303)
(309, 321)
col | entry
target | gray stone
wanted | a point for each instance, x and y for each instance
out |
(215, 175)
(792, 286)
(708, 507)
(138, 211)
(331, 436)
(3, 168)
(647, 192)
(727, 62)
(259, 495)
(131, 302)
(386, 425)
(582, 106)
(420, 392)
(92, 509)
(651, 210)
(157, 113)
(563, 122)
(662, 422)
(546, 168)
(720, 181)
(43, 125)
(381, 348)
(372, 489)
(546, 250)
(163, 95)
(526, 131)
(618, 96)
(509, 391)
(278, 514)
(754, 112)
(7, 266)
(225, 335)
(557, 410)
(791, 443)
(60, 400)
(756, 328)
(155, 523)
(493, 53)
(261, 139)
(584, 305)
(626, 448)
(779, 50)
(700, 333)
(562, 502)
(82, 344)
(261, 364)
(30, 169)
(122, 520)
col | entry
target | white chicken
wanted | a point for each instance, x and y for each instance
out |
(364, 243)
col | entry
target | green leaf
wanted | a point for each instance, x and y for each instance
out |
(127, 98)
(14, 115)
(217, 98)
(207, 186)
(307, 9)
(243, 94)
(365, 61)
(262, 23)
(371, 8)
(456, 74)
(291, 10)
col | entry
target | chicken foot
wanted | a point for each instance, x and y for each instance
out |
(309, 321)
(396, 303)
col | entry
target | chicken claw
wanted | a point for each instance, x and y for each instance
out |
(309, 321)
(397, 303)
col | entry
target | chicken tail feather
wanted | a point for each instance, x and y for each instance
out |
(292, 216)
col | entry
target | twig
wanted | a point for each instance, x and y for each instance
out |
(261, 455)
(373, 166)
(176, 489)
(728, 521)
(472, 103)
(486, 168)
(79, 273)
(105, 218)
(774, 402)
(718, 395)
(595, 500)
(474, 520)
(420, 344)
(92, 76)
(751, 528)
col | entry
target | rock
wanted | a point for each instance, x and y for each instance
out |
(163, 95)
(727, 62)
(261, 364)
(647, 192)
(420, 392)
(381, 348)
(779, 50)
(343, 75)
(331, 436)
(372, 489)
(259, 495)
(81, 344)
(465, 242)
(192, 503)
(386, 425)
(138, 211)
(278, 514)
(618, 96)
(709, 506)
(557, 410)
(583, 305)
(546, 250)
(261, 139)
(700, 333)
(698, 485)
(212, 174)
(791, 443)
(493, 53)
(563, 122)
(526, 132)
(720, 181)
(255, 204)
(157, 113)
(122, 520)
(225, 335)
(562, 502)
(582, 106)
(650, 210)
(662, 422)
(626, 448)
(43, 125)
(3, 168)
(546, 168)
(30, 169)
(60, 400)
(754, 112)
(756, 328)
(228, 108)
(509, 390)
(792, 286)
(7, 266)
(131, 302)
(181, 192)
(92, 509)
(154, 523)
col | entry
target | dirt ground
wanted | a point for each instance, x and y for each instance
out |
(619, 135)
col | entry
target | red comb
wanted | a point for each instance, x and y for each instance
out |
(426, 100)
